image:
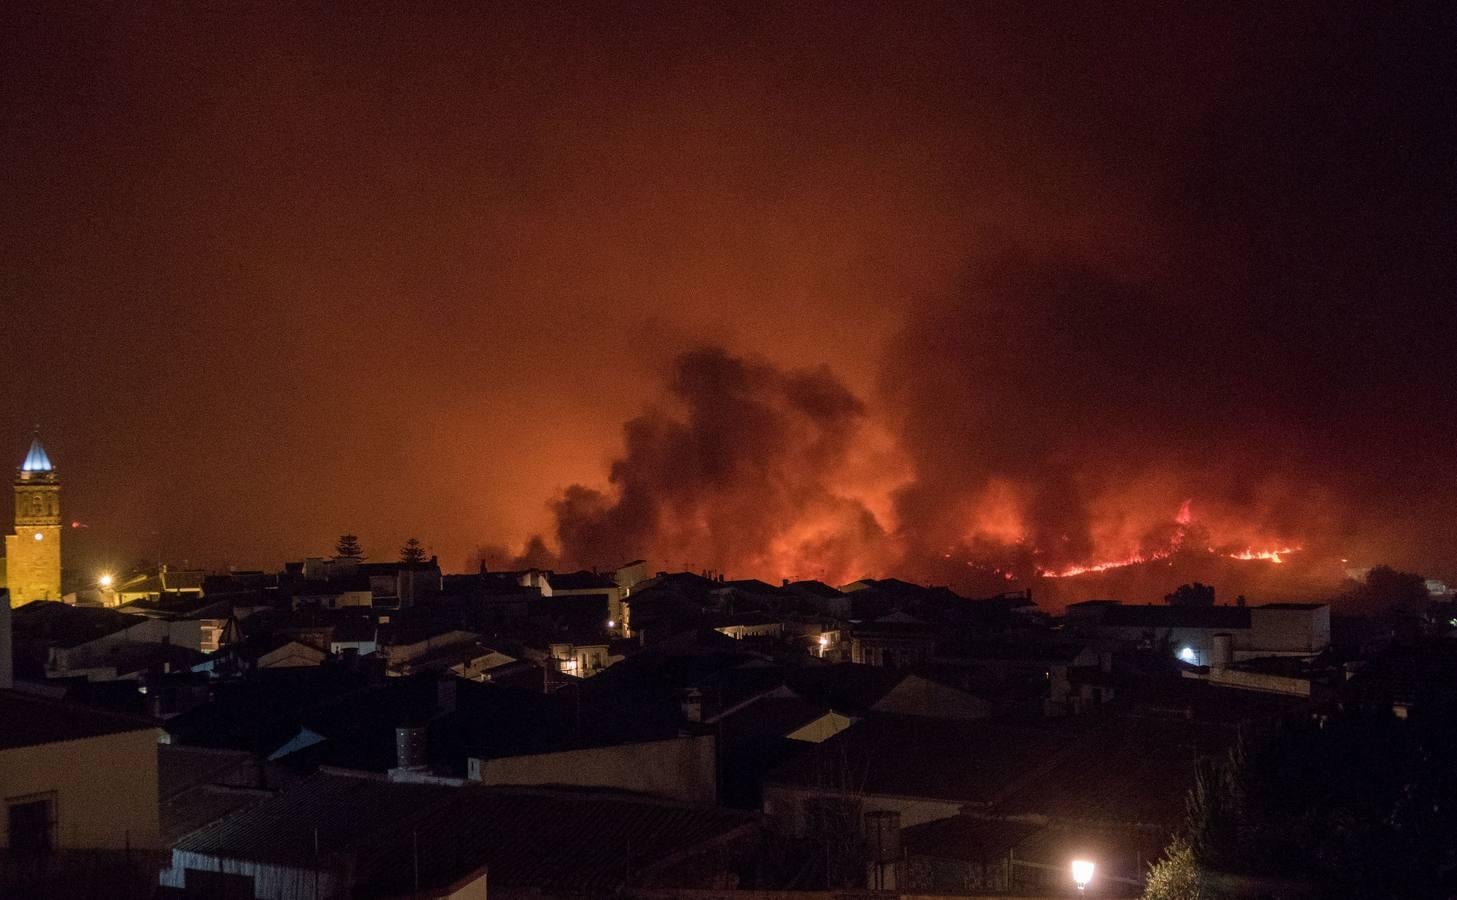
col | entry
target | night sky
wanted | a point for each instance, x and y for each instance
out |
(814, 290)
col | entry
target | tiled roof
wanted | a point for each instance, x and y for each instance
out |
(488, 721)
(265, 711)
(63, 625)
(967, 762)
(750, 619)
(846, 687)
(580, 581)
(772, 717)
(27, 720)
(965, 838)
(203, 804)
(818, 588)
(159, 581)
(180, 767)
(1126, 770)
(524, 837)
(1003, 650)
(751, 585)
(1149, 616)
(130, 657)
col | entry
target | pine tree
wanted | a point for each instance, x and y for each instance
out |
(412, 553)
(348, 547)
(1176, 876)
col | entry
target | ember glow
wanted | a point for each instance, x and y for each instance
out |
(1274, 556)
(1179, 541)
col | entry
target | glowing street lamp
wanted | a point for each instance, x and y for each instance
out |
(104, 581)
(1082, 874)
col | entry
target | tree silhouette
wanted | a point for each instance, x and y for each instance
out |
(348, 547)
(1388, 590)
(1355, 804)
(1195, 594)
(412, 553)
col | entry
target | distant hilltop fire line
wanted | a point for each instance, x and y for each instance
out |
(1275, 555)
(1184, 521)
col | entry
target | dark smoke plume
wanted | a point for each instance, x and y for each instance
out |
(1271, 368)
(743, 466)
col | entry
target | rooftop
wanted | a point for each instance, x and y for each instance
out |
(845, 687)
(818, 588)
(976, 763)
(580, 581)
(1128, 770)
(31, 720)
(525, 837)
(65, 626)
(965, 838)
(1151, 616)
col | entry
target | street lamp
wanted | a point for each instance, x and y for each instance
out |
(1082, 874)
(106, 581)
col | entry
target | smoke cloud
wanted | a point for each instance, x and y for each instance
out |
(1270, 369)
(305, 272)
(743, 465)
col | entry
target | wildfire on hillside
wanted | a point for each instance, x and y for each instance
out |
(1184, 537)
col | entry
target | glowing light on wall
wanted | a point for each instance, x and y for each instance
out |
(1082, 872)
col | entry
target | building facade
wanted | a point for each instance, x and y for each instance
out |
(33, 551)
(60, 782)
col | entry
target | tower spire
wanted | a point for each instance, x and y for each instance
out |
(36, 460)
(33, 552)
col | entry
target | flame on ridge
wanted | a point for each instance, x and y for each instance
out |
(1183, 519)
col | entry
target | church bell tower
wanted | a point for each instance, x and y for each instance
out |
(33, 552)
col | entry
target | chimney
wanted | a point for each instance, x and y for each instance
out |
(410, 747)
